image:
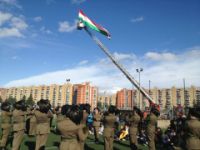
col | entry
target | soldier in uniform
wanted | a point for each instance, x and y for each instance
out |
(70, 129)
(19, 114)
(134, 120)
(109, 123)
(86, 111)
(96, 124)
(43, 115)
(151, 127)
(5, 123)
(59, 114)
(192, 129)
(32, 122)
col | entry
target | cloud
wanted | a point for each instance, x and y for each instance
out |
(10, 3)
(45, 30)
(50, 1)
(11, 26)
(105, 75)
(4, 17)
(15, 58)
(138, 19)
(66, 27)
(160, 56)
(18, 23)
(78, 1)
(122, 56)
(10, 32)
(37, 19)
(84, 62)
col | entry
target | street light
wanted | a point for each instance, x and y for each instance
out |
(67, 80)
(67, 91)
(149, 86)
(139, 70)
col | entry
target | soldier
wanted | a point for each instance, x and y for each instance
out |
(32, 122)
(18, 123)
(151, 127)
(109, 123)
(59, 114)
(43, 115)
(96, 124)
(5, 123)
(86, 111)
(192, 130)
(70, 129)
(134, 120)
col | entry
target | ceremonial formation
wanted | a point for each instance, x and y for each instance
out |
(74, 123)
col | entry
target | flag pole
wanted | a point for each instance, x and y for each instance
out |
(119, 66)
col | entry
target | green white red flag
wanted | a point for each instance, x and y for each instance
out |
(91, 24)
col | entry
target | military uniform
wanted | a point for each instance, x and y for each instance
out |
(151, 129)
(96, 125)
(42, 128)
(193, 134)
(71, 135)
(33, 124)
(18, 128)
(5, 125)
(59, 117)
(84, 128)
(109, 123)
(133, 129)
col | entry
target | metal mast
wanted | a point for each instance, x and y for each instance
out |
(119, 66)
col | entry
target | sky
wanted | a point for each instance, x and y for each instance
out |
(39, 42)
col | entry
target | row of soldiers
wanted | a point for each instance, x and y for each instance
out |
(16, 120)
(72, 125)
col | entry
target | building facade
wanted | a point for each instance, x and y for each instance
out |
(167, 98)
(107, 100)
(57, 94)
(85, 93)
(3, 93)
(68, 93)
(124, 99)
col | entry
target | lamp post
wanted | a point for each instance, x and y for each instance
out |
(139, 70)
(67, 91)
(149, 86)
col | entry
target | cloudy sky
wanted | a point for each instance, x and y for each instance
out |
(39, 43)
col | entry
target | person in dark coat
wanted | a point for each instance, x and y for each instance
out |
(5, 123)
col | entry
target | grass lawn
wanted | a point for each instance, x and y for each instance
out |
(54, 140)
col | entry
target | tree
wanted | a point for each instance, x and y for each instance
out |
(23, 98)
(1, 100)
(99, 105)
(105, 106)
(30, 101)
(11, 100)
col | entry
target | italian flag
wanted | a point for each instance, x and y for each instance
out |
(89, 23)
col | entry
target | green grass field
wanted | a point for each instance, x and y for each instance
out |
(54, 140)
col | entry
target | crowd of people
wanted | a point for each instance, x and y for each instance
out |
(74, 123)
